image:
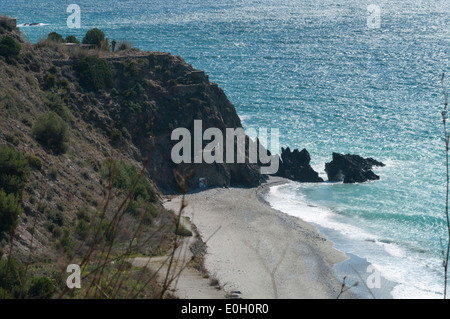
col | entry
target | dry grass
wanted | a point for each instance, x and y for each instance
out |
(114, 238)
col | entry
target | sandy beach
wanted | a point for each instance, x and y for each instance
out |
(259, 251)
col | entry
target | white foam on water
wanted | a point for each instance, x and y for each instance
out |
(293, 205)
(416, 276)
(23, 25)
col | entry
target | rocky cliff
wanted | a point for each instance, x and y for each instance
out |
(116, 108)
(150, 95)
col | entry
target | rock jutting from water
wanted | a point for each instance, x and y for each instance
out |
(295, 165)
(351, 168)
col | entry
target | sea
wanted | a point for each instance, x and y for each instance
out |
(355, 76)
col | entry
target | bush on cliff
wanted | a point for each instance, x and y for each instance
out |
(125, 176)
(95, 73)
(51, 131)
(56, 104)
(14, 170)
(9, 48)
(12, 277)
(10, 210)
(94, 36)
(71, 39)
(55, 37)
(41, 288)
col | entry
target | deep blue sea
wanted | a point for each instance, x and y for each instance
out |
(330, 82)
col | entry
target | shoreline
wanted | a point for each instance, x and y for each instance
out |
(259, 251)
(371, 284)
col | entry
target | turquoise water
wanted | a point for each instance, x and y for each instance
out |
(316, 71)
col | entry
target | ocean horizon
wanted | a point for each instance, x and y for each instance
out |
(330, 80)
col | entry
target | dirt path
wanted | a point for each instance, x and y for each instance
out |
(189, 283)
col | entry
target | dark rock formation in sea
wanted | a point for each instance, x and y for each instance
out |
(295, 165)
(351, 168)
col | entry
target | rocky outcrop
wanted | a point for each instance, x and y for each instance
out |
(351, 168)
(154, 94)
(295, 165)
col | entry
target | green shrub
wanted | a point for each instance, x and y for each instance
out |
(150, 212)
(94, 36)
(41, 288)
(147, 219)
(49, 81)
(144, 190)
(124, 178)
(51, 131)
(53, 173)
(133, 209)
(12, 276)
(82, 230)
(106, 231)
(56, 104)
(53, 70)
(34, 162)
(116, 136)
(55, 37)
(130, 69)
(66, 242)
(64, 84)
(4, 294)
(12, 138)
(71, 39)
(126, 134)
(95, 73)
(56, 217)
(14, 170)
(50, 194)
(10, 210)
(60, 206)
(9, 47)
(55, 230)
(84, 214)
(42, 206)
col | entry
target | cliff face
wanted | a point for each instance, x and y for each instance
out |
(151, 95)
(122, 106)
(85, 125)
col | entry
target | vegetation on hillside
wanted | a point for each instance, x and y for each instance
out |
(55, 37)
(72, 189)
(14, 170)
(95, 73)
(9, 48)
(52, 132)
(95, 37)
